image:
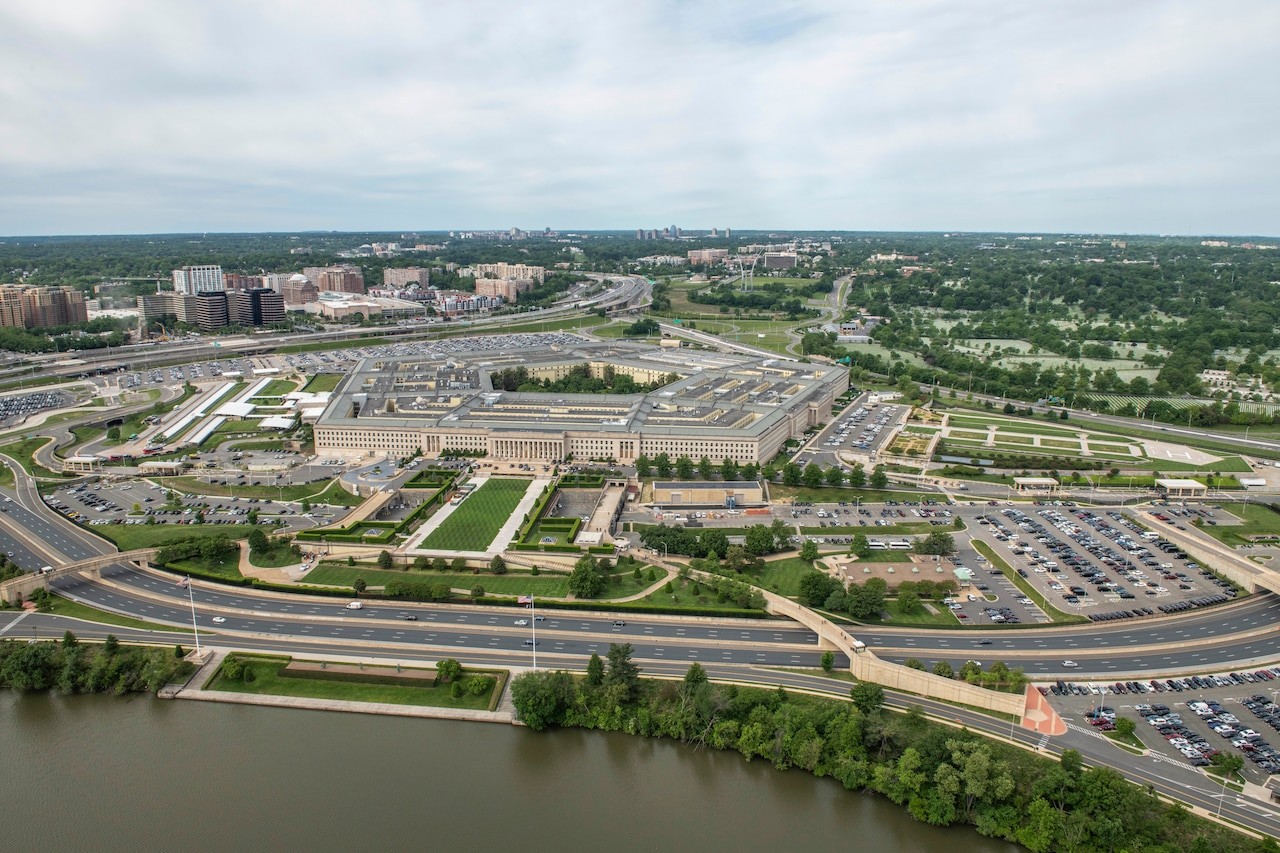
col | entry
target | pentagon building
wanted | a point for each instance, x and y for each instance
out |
(441, 397)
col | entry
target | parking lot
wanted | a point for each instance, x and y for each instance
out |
(16, 407)
(1099, 564)
(1188, 720)
(194, 372)
(863, 427)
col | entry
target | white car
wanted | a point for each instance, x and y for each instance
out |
(218, 620)
(355, 605)
(522, 623)
(1070, 664)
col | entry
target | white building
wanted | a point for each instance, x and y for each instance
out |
(198, 279)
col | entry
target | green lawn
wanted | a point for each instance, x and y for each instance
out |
(474, 524)
(1017, 425)
(24, 452)
(280, 555)
(322, 382)
(512, 583)
(267, 680)
(65, 607)
(1256, 520)
(276, 388)
(328, 492)
(783, 576)
(923, 619)
(130, 536)
(228, 569)
(684, 597)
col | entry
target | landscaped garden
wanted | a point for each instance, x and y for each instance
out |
(475, 523)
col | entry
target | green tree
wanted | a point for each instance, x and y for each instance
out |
(909, 603)
(792, 475)
(860, 546)
(448, 669)
(857, 476)
(384, 560)
(1125, 727)
(662, 462)
(867, 697)
(914, 663)
(110, 645)
(541, 698)
(811, 476)
(477, 591)
(684, 468)
(258, 541)
(595, 671)
(834, 476)
(623, 672)
(113, 434)
(704, 468)
(586, 580)
(497, 565)
(828, 661)
(644, 466)
(459, 564)
(809, 550)
(359, 585)
(879, 479)
(937, 542)
(729, 470)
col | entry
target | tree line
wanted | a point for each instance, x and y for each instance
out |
(71, 666)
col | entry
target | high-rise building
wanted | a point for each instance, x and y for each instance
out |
(344, 278)
(43, 307)
(236, 281)
(11, 306)
(198, 279)
(211, 310)
(299, 291)
(728, 233)
(707, 256)
(505, 270)
(508, 288)
(402, 277)
(260, 306)
(779, 260)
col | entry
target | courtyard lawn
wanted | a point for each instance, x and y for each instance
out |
(276, 388)
(269, 680)
(228, 569)
(323, 382)
(783, 576)
(474, 524)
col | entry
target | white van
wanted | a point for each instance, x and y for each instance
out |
(355, 605)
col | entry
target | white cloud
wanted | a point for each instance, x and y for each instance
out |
(148, 116)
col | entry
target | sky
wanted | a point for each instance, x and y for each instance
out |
(144, 116)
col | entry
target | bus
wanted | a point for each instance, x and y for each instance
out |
(900, 545)
(876, 544)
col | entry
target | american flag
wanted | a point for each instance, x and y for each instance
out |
(525, 599)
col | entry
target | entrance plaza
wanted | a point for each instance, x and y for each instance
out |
(484, 550)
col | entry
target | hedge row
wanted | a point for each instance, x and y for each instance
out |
(354, 677)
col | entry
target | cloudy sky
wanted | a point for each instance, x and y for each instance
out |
(153, 115)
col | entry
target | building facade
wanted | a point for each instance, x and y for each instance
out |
(198, 279)
(260, 306)
(403, 277)
(506, 270)
(212, 310)
(508, 289)
(41, 307)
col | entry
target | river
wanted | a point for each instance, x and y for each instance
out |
(106, 774)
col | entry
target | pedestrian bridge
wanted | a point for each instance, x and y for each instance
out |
(23, 585)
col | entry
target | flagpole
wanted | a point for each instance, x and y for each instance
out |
(533, 625)
(194, 626)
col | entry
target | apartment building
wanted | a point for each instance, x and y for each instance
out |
(198, 279)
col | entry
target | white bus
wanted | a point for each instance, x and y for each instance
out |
(900, 545)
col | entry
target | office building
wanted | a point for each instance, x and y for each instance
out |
(780, 260)
(508, 289)
(708, 256)
(212, 311)
(260, 306)
(299, 291)
(343, 278)
(198, 279)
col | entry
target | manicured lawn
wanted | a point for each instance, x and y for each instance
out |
(475, 523)
(66, 607)
(280, 555)
(228, 569)
(276, 388)
(684, 597)
(1257, 521)
(1016, 425)
(328, 492)
(923, 619)
(323, 382)
(513, 583)
(24, 451)
(130, 536)
(783, 576)
(268, 680)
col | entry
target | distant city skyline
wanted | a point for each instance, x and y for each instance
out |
(1088, 117)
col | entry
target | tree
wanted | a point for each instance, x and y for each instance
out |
(258, 541)
(384, 560)
(586, 580)
(909, 603)
(306, 505)
(448, 669)
(857, 476)
(113, 434)
(595, 671)
(828, 661)
(704, 468)
(69, 640)
(684, 468)
(694, 677)
(759, 540)
(252, 517)
(540, 698)
(497, 565)
(860, 546)
(879, 479)
(792, 475)
(459, 564)
(914, 663)
(815, 587)
(809, 550)
(644, 466)
(477, 591)
(110, 645)
(359, 585)
(936, 542)
(867, 697)
(835, 476)
(1125, 727)
(811, 476)
(1227, 764)
(663, 463)
(729, 470)
(623, 673)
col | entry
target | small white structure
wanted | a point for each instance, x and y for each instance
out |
(1035, 485)
(1178, 488)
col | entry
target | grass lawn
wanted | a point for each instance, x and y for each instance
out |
(323, 382)
(1256, 520)
(130, 536)
(268, 680)
(328, 492)
(276, 388)
(475, 523)
(923, 619)
(684, 597)
(66, 607)
(228, 569)
(24, 451)
(280, 555)
(783, 576)
(1016, 425)
(512, 583)
(828, 495)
